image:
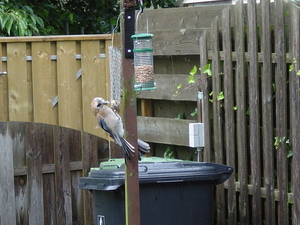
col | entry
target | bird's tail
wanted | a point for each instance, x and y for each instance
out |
(143, 147)
(127, 147)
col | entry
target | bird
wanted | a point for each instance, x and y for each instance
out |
(143, 147)
(111, 122)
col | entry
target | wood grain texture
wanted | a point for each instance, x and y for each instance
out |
(268, 115)
(69, 88)
(254, 110)
(295, 109)
(229, 114)
(242, 138)
(162, 130)
(42, 79)
(281, 112)
(19, 109)
(7, 193)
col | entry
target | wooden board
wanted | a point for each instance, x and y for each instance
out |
(93, 83)
(42, 82)
(18, 82)
(295, 110)
(254, 118)
(166, 87)
(178, 18)
(281, 113)
(242, 138)
(229, 114)
(62, 176)
(69, 88)
(7, 193)
(163, 130)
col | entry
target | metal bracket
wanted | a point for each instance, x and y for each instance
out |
(55, 101)
(78, 74)
(129, 31)
(200, 95)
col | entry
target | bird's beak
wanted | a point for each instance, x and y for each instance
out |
(106, 102)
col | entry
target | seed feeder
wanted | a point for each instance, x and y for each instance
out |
(143, 62)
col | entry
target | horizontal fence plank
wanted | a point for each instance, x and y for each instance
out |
(166, 87)
(263, 191)
(163, 130)
(48, 168)
(56, 38)
(178, 18)
(177, 42)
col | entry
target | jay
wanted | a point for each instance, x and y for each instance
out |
(111, 122)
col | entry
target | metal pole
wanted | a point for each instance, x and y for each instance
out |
(200, 120)
(132, 197)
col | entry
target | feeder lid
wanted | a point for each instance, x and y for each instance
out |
(142, 36)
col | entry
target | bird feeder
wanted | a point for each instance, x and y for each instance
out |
(143, 62)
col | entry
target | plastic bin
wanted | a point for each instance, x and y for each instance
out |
(171, 191)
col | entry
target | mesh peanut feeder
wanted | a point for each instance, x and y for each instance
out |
(143, 62)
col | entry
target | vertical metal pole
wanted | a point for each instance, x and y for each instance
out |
(132, 196)
(200, 120)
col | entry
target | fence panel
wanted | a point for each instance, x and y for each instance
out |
(42, 165)
(53, 79)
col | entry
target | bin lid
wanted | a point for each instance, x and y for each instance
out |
(111, 174)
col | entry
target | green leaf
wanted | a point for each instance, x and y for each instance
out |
(291, 68)
(181, 116)
(298, 73)
(195, 113)
(8, 25)
(211, 93)
(39, 21)
(207, 70)
(220, 96)
(235, 108)
(290, 154)
(191, 79)
(294, 60)
(71, 18)
(193, 71)
(179, 86)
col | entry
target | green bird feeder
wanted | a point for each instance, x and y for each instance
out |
(143, 62)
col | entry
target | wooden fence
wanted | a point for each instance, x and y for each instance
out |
(254, 53)
(40, 169)
(53, 79)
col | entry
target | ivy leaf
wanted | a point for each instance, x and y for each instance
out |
(191, 79)
(179, 86)
(291, 68)
(195, 113)
(290, 154)
(298, 73)
(220, 96)
(207, 70)
(193, 71)
(235, 108)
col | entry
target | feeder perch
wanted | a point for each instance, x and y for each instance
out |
(143, 62)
